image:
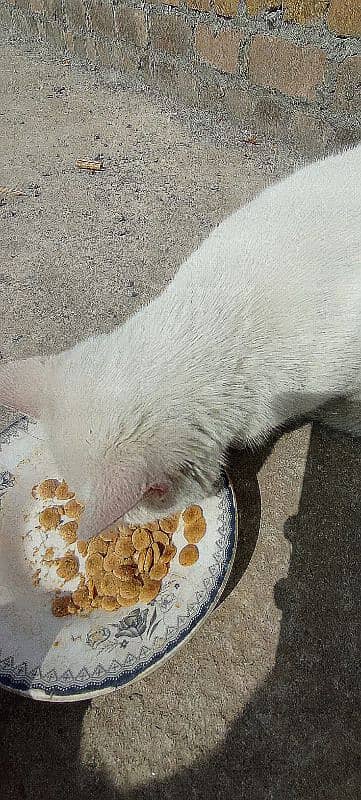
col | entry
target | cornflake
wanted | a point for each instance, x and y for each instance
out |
(63, 492)
(170, 524)
(50, 518)
(194, 531)
(82, 547)
(94, 564)
(191, 514)
(73, 509)
(141, 539)
(47, 489)
(81, 597)
(149, 591)
(109, 603)
(67, 567)
(97, 545)
(68, 532)
(60, 606)
(124, 548)
(189, 555)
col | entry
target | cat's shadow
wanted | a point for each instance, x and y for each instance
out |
(299, 736)
(242, 469)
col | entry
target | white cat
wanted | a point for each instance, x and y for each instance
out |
(261, 324)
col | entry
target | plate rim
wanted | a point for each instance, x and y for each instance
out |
(110, 684)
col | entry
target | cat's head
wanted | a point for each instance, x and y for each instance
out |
(122, 454)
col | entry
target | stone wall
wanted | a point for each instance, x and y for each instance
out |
(270, 65)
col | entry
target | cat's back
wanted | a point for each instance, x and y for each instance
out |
(308, 223)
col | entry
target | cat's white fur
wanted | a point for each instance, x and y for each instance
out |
(260, 324)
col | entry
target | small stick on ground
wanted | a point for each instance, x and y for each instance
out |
(93, 166)
(7, 191)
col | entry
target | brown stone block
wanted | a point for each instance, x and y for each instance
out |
(131, 25)
(303, 11)
(102, 18)
(220, 50)
(170, 33)
(344, 17)
(291, 69)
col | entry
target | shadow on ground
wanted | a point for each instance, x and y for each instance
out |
(299, 736)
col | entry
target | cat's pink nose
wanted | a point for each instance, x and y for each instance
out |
(157, 488)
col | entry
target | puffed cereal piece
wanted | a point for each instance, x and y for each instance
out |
(63, 492)
(129, 589)
(67, 567)
(125, 548)
(153, 527)
(148, 561)
(94, 565)
(97, 545)
(112, 561)
(156, 552)
(158, 571)
(149, 591)
(68, 532)
(191, 514)
(188, 555)
(91, 586)
(46, 490)
(168, 554)
(141, 560)
(97, 602)
(160, 537)
(170, 524)
(125, 572)
(82, 547)
(108, 585)
(109, 603)
(60, 606)
(50, 518)
(80, 597)
(74, 509)
(141, 539)
(195, 531)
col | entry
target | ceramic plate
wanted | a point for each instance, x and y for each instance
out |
(75, 658)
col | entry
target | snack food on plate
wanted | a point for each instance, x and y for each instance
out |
(122, 566)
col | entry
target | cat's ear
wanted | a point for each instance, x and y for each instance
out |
(23, 384)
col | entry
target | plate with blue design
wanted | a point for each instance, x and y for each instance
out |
(77, 658)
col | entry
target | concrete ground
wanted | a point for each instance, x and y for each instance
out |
(263, 703)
